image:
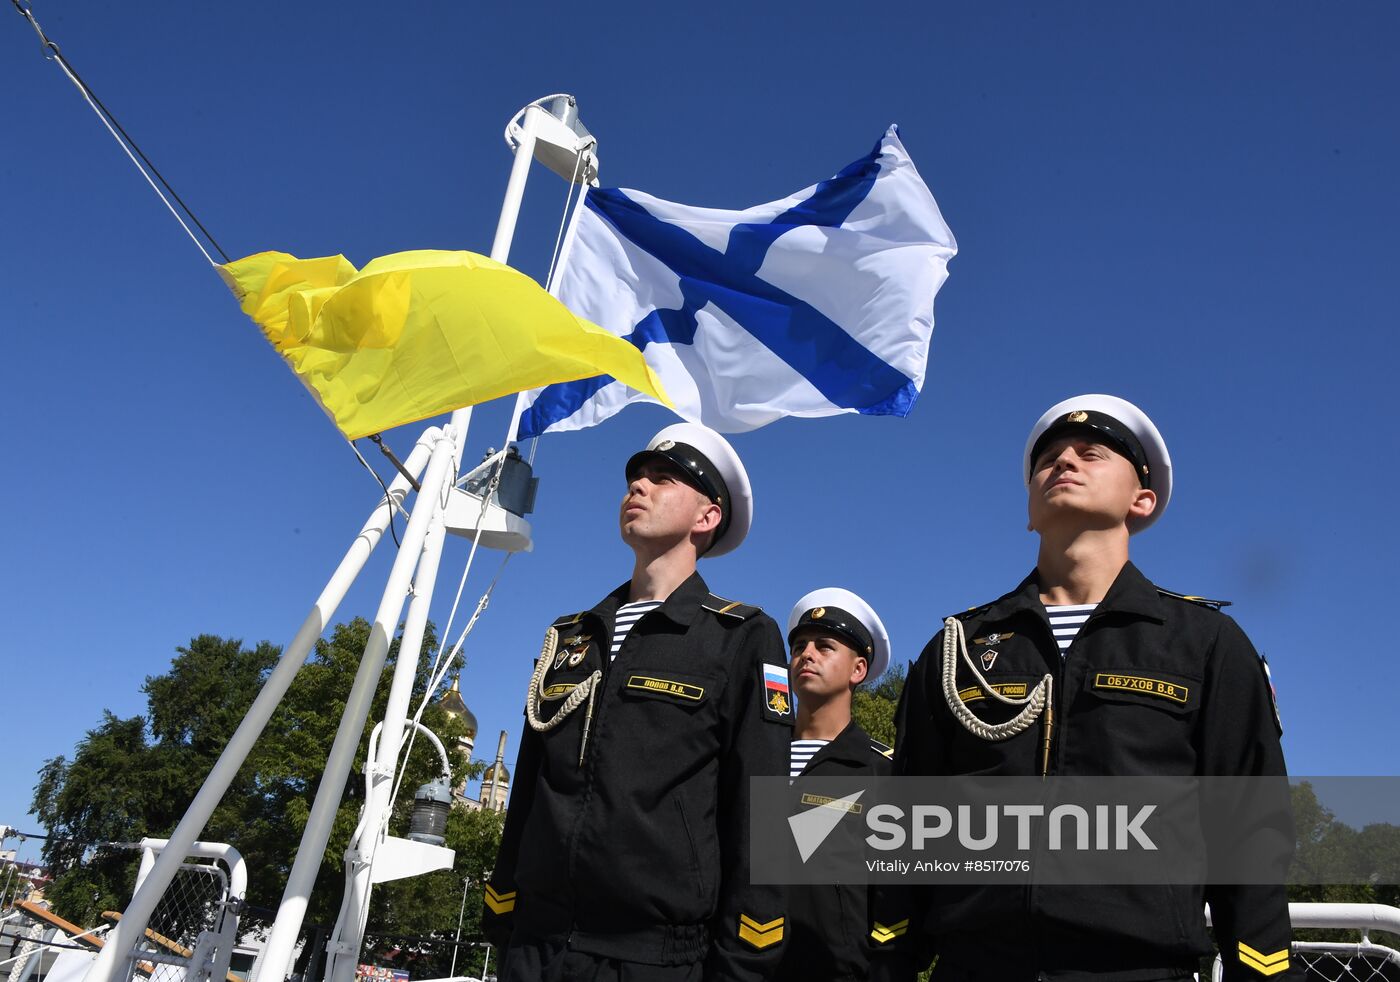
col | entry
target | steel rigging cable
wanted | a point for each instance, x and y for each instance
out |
(133, 151)
(52, 52)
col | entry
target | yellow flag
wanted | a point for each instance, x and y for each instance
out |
(417, 334)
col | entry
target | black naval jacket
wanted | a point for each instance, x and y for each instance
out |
(830, 928)
(641, 852)
(1209, 712)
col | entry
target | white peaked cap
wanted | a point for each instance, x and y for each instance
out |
(815, 609)
(717, 469)
(1118, 420)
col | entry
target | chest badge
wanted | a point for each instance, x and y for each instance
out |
(572, 650)
(989, 658)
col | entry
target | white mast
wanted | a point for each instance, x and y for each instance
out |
(547, 129)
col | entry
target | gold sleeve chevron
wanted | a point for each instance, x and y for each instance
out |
(761, 936)
(1262, 963)
(416, 334)
(881, 934)
(500, 903)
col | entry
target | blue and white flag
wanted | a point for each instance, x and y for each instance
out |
(817, 304)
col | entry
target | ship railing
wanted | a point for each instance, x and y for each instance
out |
(193, 931)
(1359, 960)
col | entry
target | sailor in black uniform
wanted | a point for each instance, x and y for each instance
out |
(625, 853)
(1087, 668)
(836, 642)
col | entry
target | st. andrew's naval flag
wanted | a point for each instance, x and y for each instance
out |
(817, 304)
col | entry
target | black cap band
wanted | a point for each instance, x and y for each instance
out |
(840, 622)
(1107, 430)
(698, 472)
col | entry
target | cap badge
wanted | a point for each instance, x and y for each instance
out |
(818, 613)
(665, 445)
(1078, 416)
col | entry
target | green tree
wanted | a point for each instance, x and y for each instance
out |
(130, 778)
(1380, 844)
(873, 706)
(100, 796)
(1327, 849)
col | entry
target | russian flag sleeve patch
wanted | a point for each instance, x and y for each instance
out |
(775, 694)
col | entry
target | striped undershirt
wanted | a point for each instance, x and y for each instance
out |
(1065, 621)
(802, 752)
(627, 615)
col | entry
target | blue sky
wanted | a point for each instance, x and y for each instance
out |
(1190, 205)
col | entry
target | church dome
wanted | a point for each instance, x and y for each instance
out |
(453, 704)
(501, 776)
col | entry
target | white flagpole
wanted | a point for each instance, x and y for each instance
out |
(505, 234)
(378, 803)
(515, 186)
(277, 956)
(441, 451)
(564, 250)
(341, 967)
(138, 912)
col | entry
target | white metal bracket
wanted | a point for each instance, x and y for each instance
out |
(399, 858)
(562, 142)
(500, 529)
